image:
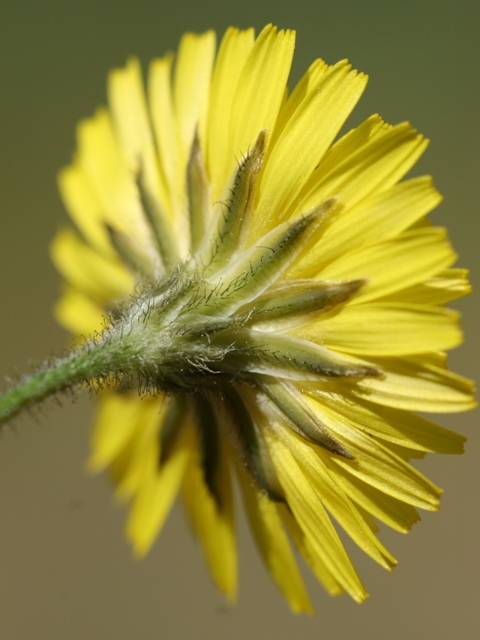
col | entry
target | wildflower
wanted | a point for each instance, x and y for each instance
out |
(276, 302)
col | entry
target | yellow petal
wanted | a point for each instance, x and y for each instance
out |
(442, 288)
(395, 264)
(392, 211)
(307, 83)
(119, 415)
(302, 143)
(273, 544)
(138, 454)
(310, 552)
(132, 127)
(214, 527)
(375, 464)
(352, 142)
(395, 513)
(415, 384)
(380, 329)
(404, 452)
(310, 514)
(260, 89)
(353, 171)
(191, 88)
(394, 425)
(164, 127)
(107, 172)
(78, 313)
(334, 499)
(84, 207)
(232, 54)
(156, 493)
(111, 180)
(100, 278)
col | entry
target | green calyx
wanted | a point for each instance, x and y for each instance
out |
(217, 321)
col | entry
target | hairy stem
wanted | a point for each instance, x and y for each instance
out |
(95, 360)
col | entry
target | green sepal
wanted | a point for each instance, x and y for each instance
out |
(299, 297)
(172, 425)
(231, 213)
(137, 262)
(211, 449)
(198, 189)
(246, 438)
(292, 358)
(159, 225)
(261, 265)
(301, 418)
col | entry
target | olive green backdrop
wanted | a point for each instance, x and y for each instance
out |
(66, 571)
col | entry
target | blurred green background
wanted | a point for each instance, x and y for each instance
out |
(66, 571)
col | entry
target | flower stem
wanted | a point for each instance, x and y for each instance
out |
(92, 361)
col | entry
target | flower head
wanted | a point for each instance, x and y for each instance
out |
(280, 296)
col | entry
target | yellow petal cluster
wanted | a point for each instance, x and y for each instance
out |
(382, 272)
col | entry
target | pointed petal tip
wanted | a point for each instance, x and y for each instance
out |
(299, 608)
(322, 210)
(140, 551)
(231, 594)
(94, 465)
(139, 545)
(360, 597)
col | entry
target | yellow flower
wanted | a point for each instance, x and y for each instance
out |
(295, 290)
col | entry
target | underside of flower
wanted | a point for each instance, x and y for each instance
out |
(222, 318)
(275, 307)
